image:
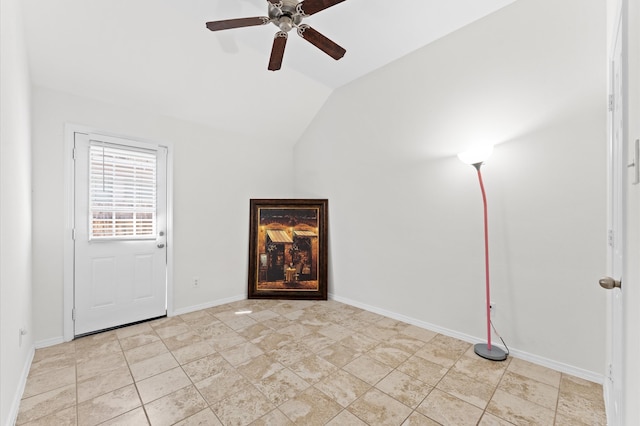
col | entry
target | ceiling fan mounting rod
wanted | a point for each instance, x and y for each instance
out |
(289, 4)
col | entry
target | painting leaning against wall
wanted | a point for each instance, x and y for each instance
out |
(288, 249)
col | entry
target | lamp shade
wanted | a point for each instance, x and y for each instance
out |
(476, 155)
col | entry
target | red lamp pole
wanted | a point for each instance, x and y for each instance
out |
(486, 350)
(486, 257)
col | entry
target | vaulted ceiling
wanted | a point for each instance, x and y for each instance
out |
(157, 55)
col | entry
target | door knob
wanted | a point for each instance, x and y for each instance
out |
(160, 245)
(609, 283)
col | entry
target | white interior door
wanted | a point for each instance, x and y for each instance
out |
(120, 272)
(618, 169)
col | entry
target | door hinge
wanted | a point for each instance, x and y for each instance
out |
(73, 234)
(610, 238)
(73, 314)
(611, 373)
(611, 98)
(73, 153)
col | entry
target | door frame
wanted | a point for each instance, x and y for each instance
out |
(69, 202)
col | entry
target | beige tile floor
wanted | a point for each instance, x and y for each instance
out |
(268, 362)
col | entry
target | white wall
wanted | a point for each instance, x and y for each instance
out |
(215, 175)
(15, 212)
(406, 215)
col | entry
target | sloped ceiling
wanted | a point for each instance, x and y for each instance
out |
(157, 55)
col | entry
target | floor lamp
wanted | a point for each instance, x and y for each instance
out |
(476, 158)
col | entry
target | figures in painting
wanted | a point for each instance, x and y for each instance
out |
(288, 244)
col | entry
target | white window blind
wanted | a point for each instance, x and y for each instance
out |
(122, 192)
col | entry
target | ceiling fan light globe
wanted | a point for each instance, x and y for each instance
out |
(285, 24)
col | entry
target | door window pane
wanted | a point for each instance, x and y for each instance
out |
(122, 193)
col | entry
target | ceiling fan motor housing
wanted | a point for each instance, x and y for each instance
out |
(285, 17)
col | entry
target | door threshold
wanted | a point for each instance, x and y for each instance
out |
(104, 330)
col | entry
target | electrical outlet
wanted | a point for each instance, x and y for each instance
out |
(196, 281)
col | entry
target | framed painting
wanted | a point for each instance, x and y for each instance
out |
(288, 249)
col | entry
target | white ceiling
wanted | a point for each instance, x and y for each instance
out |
(157, 55)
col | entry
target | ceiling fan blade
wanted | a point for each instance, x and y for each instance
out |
(321, 42)
(277, 52)
(237, 23)
(309, 7)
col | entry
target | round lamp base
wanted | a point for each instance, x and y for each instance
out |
(495, 354)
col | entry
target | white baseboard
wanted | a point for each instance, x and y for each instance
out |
(536, 359)
(207, 305)
(15, 404)
(49, 342)
(559, 366)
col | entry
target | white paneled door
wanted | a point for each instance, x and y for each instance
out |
(120, 221)
(618, 173)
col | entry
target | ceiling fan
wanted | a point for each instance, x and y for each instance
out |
(286, 15)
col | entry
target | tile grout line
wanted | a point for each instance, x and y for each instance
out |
(484, 411)
(144, 409)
